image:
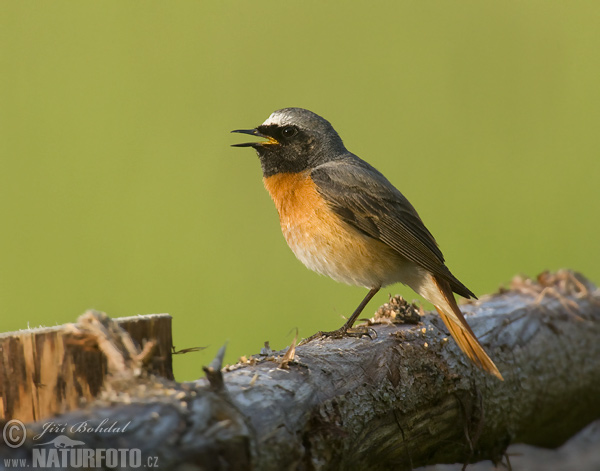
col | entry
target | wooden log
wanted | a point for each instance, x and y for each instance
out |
(51, 370)
(405, 399)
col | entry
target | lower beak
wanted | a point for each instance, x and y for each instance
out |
(254, 132)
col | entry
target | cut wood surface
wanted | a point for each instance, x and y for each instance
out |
(50, 370)
(404, 399)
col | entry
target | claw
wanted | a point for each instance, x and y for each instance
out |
(360, 331)
(341, 333)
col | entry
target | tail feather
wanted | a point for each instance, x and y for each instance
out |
(461, 331)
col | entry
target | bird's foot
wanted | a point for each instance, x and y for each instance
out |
(342, 332)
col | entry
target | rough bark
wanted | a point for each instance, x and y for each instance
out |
(405, 399)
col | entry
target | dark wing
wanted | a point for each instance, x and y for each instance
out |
(365, 199)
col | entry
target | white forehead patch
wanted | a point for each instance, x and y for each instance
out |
(278, 118)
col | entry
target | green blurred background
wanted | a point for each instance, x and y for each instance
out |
(119, 191)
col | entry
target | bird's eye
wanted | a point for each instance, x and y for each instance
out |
(289, 131)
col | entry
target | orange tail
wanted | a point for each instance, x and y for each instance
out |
(461, 331)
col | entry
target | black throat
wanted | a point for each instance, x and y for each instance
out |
(274, 161)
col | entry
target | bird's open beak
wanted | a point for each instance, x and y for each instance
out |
(254, 132)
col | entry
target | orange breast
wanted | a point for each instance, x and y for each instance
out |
(325, 243)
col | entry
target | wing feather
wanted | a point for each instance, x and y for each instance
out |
(365, 199)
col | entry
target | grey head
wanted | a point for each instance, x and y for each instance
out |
(297, 140)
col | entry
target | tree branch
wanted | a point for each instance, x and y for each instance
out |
(405, 399)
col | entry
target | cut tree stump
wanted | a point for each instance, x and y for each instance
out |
(405, 399)
(51, 370)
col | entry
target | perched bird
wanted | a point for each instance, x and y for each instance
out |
(342, 218)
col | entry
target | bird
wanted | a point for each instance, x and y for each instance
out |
(343, 218)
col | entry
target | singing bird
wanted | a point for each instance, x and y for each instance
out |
(342, 218)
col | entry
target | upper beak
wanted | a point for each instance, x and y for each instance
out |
(254, 132)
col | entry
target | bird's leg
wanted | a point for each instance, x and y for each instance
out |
(346, 329)
(350, 322)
